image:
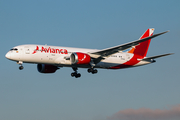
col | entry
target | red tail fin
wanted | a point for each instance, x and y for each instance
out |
(142, 48)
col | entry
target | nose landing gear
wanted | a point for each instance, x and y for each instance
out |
(21, 67)
(75, 74)
(20, 63)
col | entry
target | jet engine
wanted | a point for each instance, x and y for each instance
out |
(45, 68)
(80, 58)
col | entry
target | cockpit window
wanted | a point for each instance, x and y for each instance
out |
(13, 49)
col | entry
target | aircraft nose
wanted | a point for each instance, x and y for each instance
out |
(8, 55)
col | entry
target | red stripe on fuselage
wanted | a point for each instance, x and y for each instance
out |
(133, 61)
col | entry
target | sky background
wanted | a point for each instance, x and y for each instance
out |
(146, 92)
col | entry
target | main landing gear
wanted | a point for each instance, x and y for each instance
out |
(20, 63)
(75, 73)
(92, 70)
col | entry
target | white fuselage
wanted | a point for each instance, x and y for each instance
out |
(43, 54)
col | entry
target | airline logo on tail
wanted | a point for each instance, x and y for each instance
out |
(142, 48)
(139, 51)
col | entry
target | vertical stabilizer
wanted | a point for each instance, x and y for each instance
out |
(142, 48)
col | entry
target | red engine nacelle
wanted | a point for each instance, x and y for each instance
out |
(80, 58)
(45, 68)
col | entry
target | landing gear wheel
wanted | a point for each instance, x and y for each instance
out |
(90, 70)
(94, 71)
(21, 67)
(75, 74)
(78, 75)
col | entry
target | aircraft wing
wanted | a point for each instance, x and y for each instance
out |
(100, 54)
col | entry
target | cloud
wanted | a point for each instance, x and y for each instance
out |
(147, 114)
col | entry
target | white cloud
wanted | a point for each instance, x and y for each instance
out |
(147, 114)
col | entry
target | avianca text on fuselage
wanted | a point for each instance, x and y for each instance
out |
(86, 58)
(50, 50)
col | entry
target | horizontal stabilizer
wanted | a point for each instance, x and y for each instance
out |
(154, 57)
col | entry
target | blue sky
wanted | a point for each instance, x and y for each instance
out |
(95, 24)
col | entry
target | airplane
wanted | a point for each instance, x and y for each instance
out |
(51, 58)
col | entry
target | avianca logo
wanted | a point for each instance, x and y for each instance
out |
(83, 58)
(50, 50)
